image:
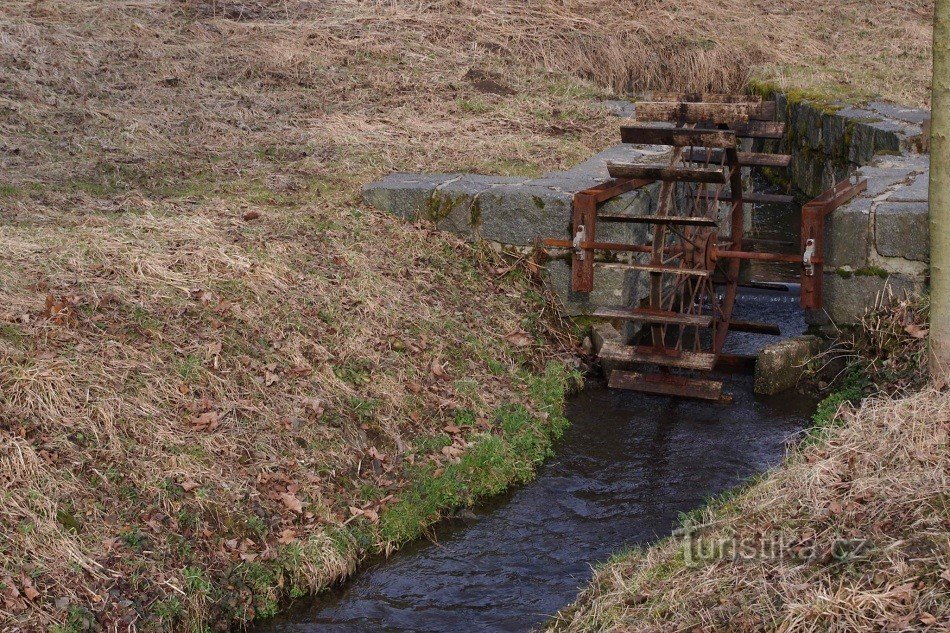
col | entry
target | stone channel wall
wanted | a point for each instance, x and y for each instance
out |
(516, 212)
(876, 243)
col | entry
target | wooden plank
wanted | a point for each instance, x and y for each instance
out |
(716, 113)
(614, 216)
(667, 385)
(653, 268)
(618, 352)
(746, 159)
(762, 159)
(669, 174)
(736, 363)
(752, 197)
(613, 188)
(646, 315)
(759, 129)
(708, 97)
(676, 136)
(755, 197)
(753, 327)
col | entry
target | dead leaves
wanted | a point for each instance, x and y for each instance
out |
(13, 598)
(61, 310)
(438, 370)
(287, 536)
(291, 502)
(189, 484)
(207, 421)
(519, 338)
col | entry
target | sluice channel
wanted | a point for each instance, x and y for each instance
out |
(623, 472)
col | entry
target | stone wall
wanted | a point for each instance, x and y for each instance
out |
(877, 242)
(516, 212)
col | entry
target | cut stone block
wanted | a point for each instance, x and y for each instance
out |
(779, 366)
(901, 229)
(454, 205)
(612, 287)
(916, 191)
(519, 214)
(846, 237)
(405, 195)
(848, 298)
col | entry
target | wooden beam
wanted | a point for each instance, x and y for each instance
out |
(657, 219)
(746, 159)
(654, 268)
(677, 137)
(717, 113)
(668, 385)
(752, 197)
(682, 359)
(714, 175)
(647, 315)
(708, 97)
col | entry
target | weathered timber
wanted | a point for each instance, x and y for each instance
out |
(715, 175)
(681, 359)
(677, 136)
(667, 385)
(657, 219)
(655, 268)
(717, 113)
(751, 197)
(647, 315)
(708, 97)
(746, 159)
(754, 327)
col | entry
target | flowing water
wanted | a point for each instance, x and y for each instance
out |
(625, 469)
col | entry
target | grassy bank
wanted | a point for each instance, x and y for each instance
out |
(852, 533)
(222, 379)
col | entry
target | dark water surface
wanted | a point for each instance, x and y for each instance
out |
(625, 469)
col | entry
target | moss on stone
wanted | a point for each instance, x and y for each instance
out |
(872, 271)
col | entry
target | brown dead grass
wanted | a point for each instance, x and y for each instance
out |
(862, 513)
(176, 378)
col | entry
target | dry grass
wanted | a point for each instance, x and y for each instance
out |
(176, 378)
(861, 512)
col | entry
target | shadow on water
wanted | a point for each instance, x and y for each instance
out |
(626, 468)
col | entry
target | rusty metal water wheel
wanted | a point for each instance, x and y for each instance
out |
(696, 243)
(685, 322)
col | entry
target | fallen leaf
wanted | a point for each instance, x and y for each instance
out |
(208, 420)
(189, 484)
(452, 429)
(287, 536)
(519, 338)
(437, 369)
(250, 215)
(294, 504)
(372, 515)
(916, 331)
(414, 387)
(925, 618)
(270, 378)
(32, 594)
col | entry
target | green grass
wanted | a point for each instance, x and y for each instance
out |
(490, 465)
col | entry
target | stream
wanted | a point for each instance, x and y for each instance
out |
(625, 469)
